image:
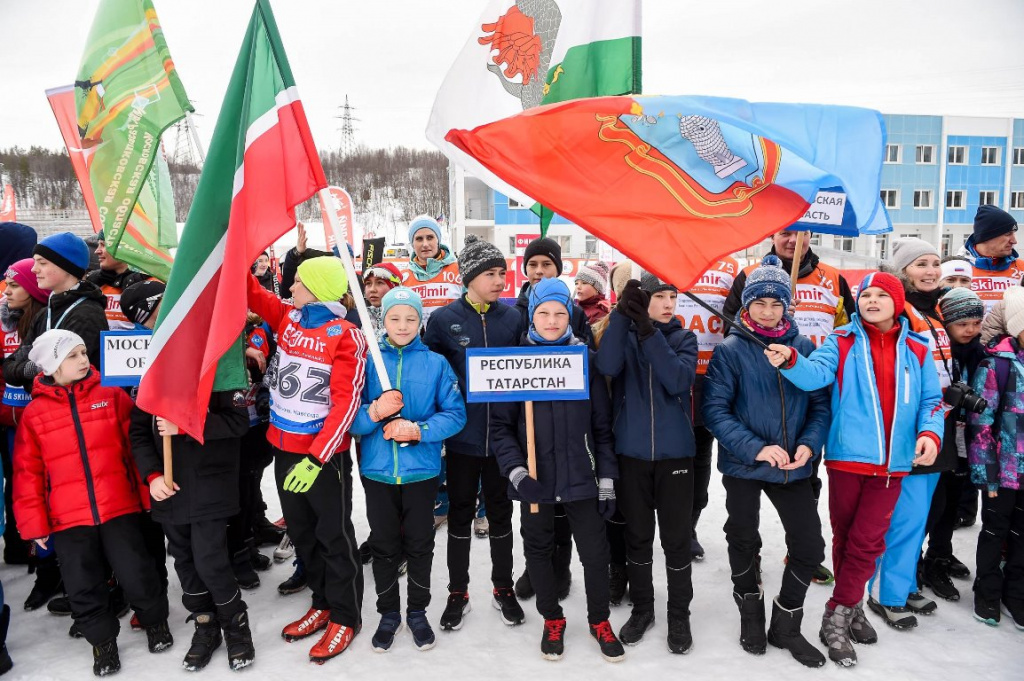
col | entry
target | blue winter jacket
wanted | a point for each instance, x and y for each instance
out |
(573, 440)
(432, 400)
(455, 327)
(857, 432)
(748, 406)
(652, 405)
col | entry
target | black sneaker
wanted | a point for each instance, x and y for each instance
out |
(511, 612)
(295, 583)
(1015, 610)
(936, 577)
(422, 633)
(524, 587)
(205, 640)
(680, 640)
(74, 631)
(964, 521)
(632, 632)
(455, 611)
(159, 637)
(60, 605)
(617, 582)
(696, 550)
(267, 533)
(384, 637)
(611, 649)
(986, 611)
(47, 585)
(958, 570)
(260, 562)
(105, 660)
(552, 644)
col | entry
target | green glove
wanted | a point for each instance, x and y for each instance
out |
(301, 477)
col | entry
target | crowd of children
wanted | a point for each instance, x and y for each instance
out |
(894, 388)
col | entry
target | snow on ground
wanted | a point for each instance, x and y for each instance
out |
(947, 645)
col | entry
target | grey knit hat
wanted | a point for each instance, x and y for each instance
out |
(961, 303)
(478, 256)
(595, 274)
(651, 284)
(907, 250)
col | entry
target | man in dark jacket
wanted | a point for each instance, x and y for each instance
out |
(113, 277)
(74, 304)
(477, 319)
(194, 514)
(543, 260)
(653, 363)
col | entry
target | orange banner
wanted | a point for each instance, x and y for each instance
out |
(62, 101)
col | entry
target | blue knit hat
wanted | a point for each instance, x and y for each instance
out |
(424, 222)
(401, 295)
(768, 281)
(990, 222)
(66, 251)
(550, 290)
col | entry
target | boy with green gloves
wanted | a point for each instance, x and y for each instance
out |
(314, 391)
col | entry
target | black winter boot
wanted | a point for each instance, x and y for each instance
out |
(205, 640)
(617, 582)
(563, 569)
(105, 660)
(5, 659)
(238, 639)
(785, 633)
(48, 583)
(524, 587)
(752, 636)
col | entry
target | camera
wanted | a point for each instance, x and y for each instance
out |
(959, 394)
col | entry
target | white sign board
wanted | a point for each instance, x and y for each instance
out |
(123, 356)
(527, 373)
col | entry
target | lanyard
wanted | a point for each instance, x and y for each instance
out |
(48, 311)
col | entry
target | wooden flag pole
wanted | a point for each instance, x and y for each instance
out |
(531, 449)
(168, 463)
(794, 273)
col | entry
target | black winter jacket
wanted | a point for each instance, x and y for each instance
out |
(455, 327)
(206, 473)
(118, 280)
(577, 317)
(573, 440)
(82, 309)
(749, 405)
(652, 381)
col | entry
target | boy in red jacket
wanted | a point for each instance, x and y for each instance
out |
(78, 488)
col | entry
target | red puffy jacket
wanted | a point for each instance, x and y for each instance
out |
(73, 463)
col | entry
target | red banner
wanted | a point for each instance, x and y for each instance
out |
(62, 101)
(342, 205)
(8, 213)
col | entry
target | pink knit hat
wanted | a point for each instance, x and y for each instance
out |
(21, 273)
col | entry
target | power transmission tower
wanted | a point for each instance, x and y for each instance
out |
(348, 137)
(187, 149)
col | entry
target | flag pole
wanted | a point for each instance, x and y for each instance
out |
(168, 463)
(353, 286)
(531, 449)
(797, 257)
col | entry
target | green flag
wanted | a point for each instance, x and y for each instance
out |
(126, 94)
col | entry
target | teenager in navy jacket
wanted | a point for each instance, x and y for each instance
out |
(769, 433)
(576, 468)
(653, 362)
(400, 462)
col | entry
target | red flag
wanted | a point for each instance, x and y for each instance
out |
(8, 213)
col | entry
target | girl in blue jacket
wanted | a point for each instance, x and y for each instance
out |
(769, 433)
(576, 469)
(401, 459)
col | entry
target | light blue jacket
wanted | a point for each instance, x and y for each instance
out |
(857, 432)
(430, 391)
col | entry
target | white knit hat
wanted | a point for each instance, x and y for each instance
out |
(1014, 318)
(957, 268)
(50, 349)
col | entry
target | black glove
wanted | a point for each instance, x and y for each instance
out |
(606, 498)
(529, 489)
(633, 303)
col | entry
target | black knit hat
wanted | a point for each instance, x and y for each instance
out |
(547, 247)
(477, 257)
(990, 222)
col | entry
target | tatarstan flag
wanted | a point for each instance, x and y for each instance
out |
(676, 183)
(261, 164)
(525, 53)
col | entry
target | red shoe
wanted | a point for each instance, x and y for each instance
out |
(136, 625)
(313, 621)
(334, 642)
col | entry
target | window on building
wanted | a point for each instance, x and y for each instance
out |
(512, 203)
(1017, 200)
(591, 245)
(883, 247)
(956, 156)
(845, 244)
(925, 153)
(890, 198)
(990, 156)
(986, 198)
(922, 198)
(564, 242)
(815, 240)
(955, 198)
(512, 245)
(892, 153)
(947, 244)
(1018, 156)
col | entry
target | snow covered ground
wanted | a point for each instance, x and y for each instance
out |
(947, 645)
